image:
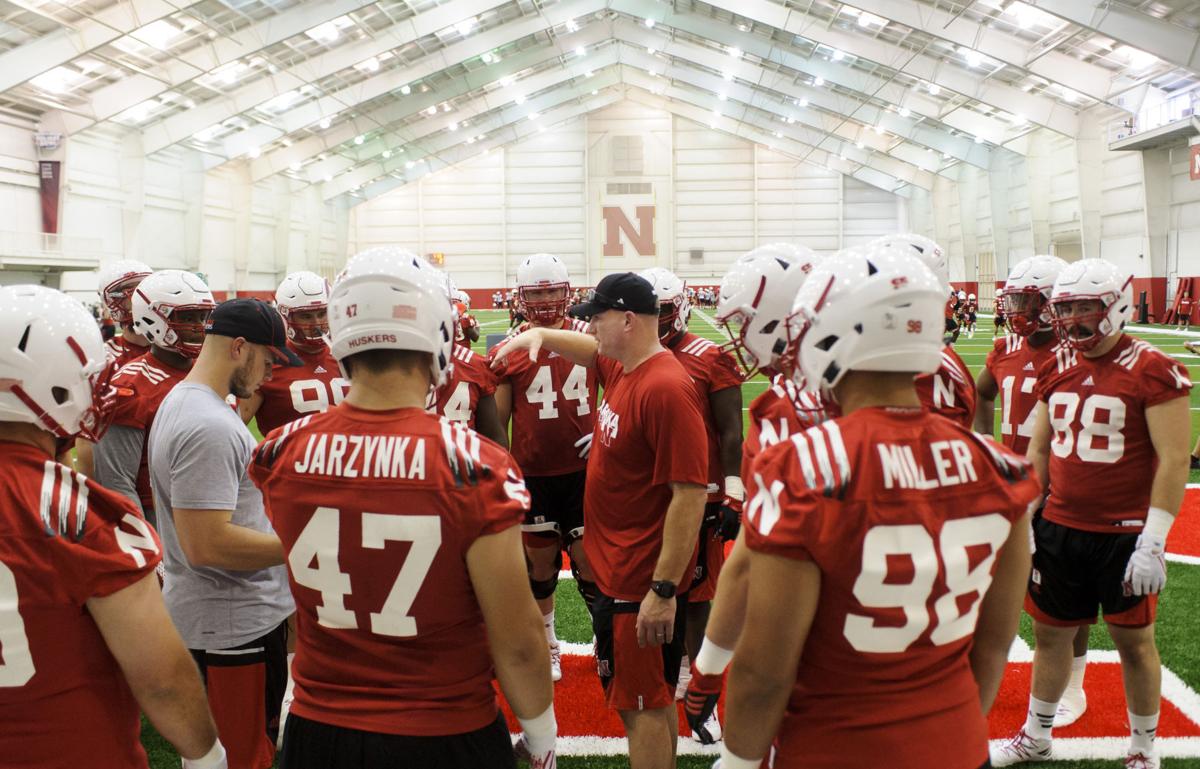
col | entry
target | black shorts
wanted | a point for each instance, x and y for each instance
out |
(315, 745)
(951, 325)
(556, 506)
(1077, 574)
(633, 677)
(971, 318)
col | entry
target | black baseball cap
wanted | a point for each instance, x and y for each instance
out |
(625, 291)
(255, 321)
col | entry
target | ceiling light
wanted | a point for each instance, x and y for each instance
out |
(480, 137)
(979, 140)
(818, 81)
(506, 81)
(431, 111)
(369, 65)
(859, 145)
(649, 23)
(735, 53)
(652, 73)
(295, 166)
(778, 135)
(453, 126)
(580, 51)
(470, 140)
(541, 129)
(465, 26)
(387, 154)
(534, 116)
(974, 58)
(802, 103)
(589, 73)
(328, 178)
(722, 97)
(324, 33)
(791, 120)
(409, 164)
(572, 26)
(57, 80)
(406, 89)
(282, 101)
(1019, 120)
(728, 76)
(1068, 95)
(838, 55)
(487, 57)
(934, 89)
(651, 50)
(287, 142)
(519, 99)
(158, 34)
(594, 92)
(905, 112)
(325, 123)
(867, 19)
(253, 153)
(878, 130)
(945, 156)
(359, 139)
(445, 106)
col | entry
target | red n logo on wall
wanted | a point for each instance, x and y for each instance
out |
(616, 223)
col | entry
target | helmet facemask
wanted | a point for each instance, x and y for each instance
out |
(307, 327)
(1026, 310)
(543, 310)
(118, 298)
(1066, 320)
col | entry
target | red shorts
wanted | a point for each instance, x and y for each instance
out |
(633, 677)
(709, 560)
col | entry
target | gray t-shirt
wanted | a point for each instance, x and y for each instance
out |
(199, 453)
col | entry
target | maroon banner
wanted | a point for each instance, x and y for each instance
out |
(49, 175)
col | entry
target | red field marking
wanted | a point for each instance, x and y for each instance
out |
(1185, 534)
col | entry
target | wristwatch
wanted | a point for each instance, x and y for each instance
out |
(663, 588)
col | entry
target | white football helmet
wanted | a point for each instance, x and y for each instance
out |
(970, 297)
(157, 302)
(877, 309)
(1093, 279)
(1025, 298)
(117, 282)
(463, 298)
(673, 305)
(304, 291)
(54, 370)
(540, 272)
(755, 300)
(962, 296)
(391, 299)
(931, 253)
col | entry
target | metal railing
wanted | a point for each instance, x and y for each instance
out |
(52, 249)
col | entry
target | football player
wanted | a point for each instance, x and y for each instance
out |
(466, 327)
(753, 304)
(293, 391)
(1112, 415)
(87, 643)
(718, 381)
(972, 313)
(401, 531)
(888, 547)
(469, 395)
(552, 404)
(170, 308)
(949, 391)
(117, 282)
(1011, 369)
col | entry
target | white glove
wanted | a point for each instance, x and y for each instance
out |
(1032, 540)
(545, 760)
(584, 445)
(214, 759)
(1146, 573)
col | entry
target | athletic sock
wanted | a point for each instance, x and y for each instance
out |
(1040, 719)
(1078, 669)
(548, 623)
(1142, 730)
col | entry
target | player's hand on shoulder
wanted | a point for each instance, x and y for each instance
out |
(530, 340)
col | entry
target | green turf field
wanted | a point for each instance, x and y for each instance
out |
(1179, 609)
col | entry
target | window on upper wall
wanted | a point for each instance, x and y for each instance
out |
(627, 156)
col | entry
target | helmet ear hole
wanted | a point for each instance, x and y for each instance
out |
(60, 395)
(770, 327)
(825, 344)
(24, 338)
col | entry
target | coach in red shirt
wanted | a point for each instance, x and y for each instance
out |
(643, 503)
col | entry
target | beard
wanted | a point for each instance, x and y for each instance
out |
(241, 378)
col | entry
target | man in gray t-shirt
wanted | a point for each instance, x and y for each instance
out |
(225, 587)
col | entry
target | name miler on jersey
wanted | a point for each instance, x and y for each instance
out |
(364, 456)
(952, 465)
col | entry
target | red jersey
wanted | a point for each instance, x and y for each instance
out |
(904, 514)
(649, 434)
(780, 412)
(142, 384)
(1014, 363)
(711, 371)
(950, 391)
(553, 406)
(972, 306)
(466, 321)
(376, 511)
(1185, 305)
(469, 380)
(294, 391)
(1101, 457)
(64, 539)
(122, 351)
